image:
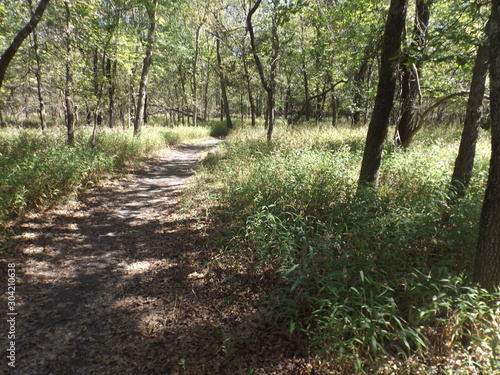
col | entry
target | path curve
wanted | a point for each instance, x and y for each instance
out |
(90, 277)
(124, 282)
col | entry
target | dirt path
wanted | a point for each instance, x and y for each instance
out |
(121, 283)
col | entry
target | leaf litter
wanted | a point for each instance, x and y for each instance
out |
(125, 282)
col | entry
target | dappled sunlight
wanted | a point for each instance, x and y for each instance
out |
(108, 282)
(137, 268)
(42, 271)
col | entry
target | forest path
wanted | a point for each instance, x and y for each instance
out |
(119, 283)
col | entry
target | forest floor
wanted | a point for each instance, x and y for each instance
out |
(126, 281)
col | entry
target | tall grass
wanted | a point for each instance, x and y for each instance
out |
(380, 278)
(38, 171)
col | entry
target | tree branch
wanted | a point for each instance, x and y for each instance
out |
(10, 52)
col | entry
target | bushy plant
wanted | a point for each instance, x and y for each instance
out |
(367, 277)
(218, 129)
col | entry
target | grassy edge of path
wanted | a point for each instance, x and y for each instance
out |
(38, 171)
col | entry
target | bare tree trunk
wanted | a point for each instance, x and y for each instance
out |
(41, 102)
(487, 264)
(132, 106)
(360, 77)
(111, 68)
(273, 72)
(269, 85)
(183, 93)
(334, 109)
(249, 89)
(464, 163)
(205, 94)
(377, 130)
(229, 123)
(141, 100)
(307, 104)
(195, 73)
(287, 100)
(178, 101)
(3, 124)
(38, 76)
(68, 90)
(410, 82)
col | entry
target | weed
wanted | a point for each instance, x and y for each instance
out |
(374, 279)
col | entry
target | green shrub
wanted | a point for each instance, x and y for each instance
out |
(218, 129)
(375, 277)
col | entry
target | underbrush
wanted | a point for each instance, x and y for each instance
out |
(376, 280)
(41, 170)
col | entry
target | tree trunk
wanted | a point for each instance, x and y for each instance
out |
(10, 52)
(249, 89)
(146, 109)
(111, 68)
(205, 94)
(195, 73)
(68, 89)
(360, 77)
(269, 85)
(38, 76)
(273, 72)
(377, 130)
(3, 124)
(410, 81)
(334, 109)
(307, 104)
(467, 151)
(487, 265)
(141, 100)
(183, 94)
(287, 100)
(229, 123)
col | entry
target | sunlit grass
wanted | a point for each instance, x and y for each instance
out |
(365, 278)
(39, 170)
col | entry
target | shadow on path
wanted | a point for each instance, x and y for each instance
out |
(120, 283)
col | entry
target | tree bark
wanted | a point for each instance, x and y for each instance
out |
(68, 89)
(229, 123)
(195, 72)
(269, 85)
(249, 89)
(3, 124)
(334, 109)
(487, 264)
(307, 109)
(410, 81)
(377, 130)
(141, 100)
(111, 68)
(206, 94)
(360, 77)
(273, 73)
(464, 163)
(38, 76)
(10, 52)
(183, 102)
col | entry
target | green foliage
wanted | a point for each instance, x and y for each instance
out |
(218, 129)
(38, 171)
(374, 277)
